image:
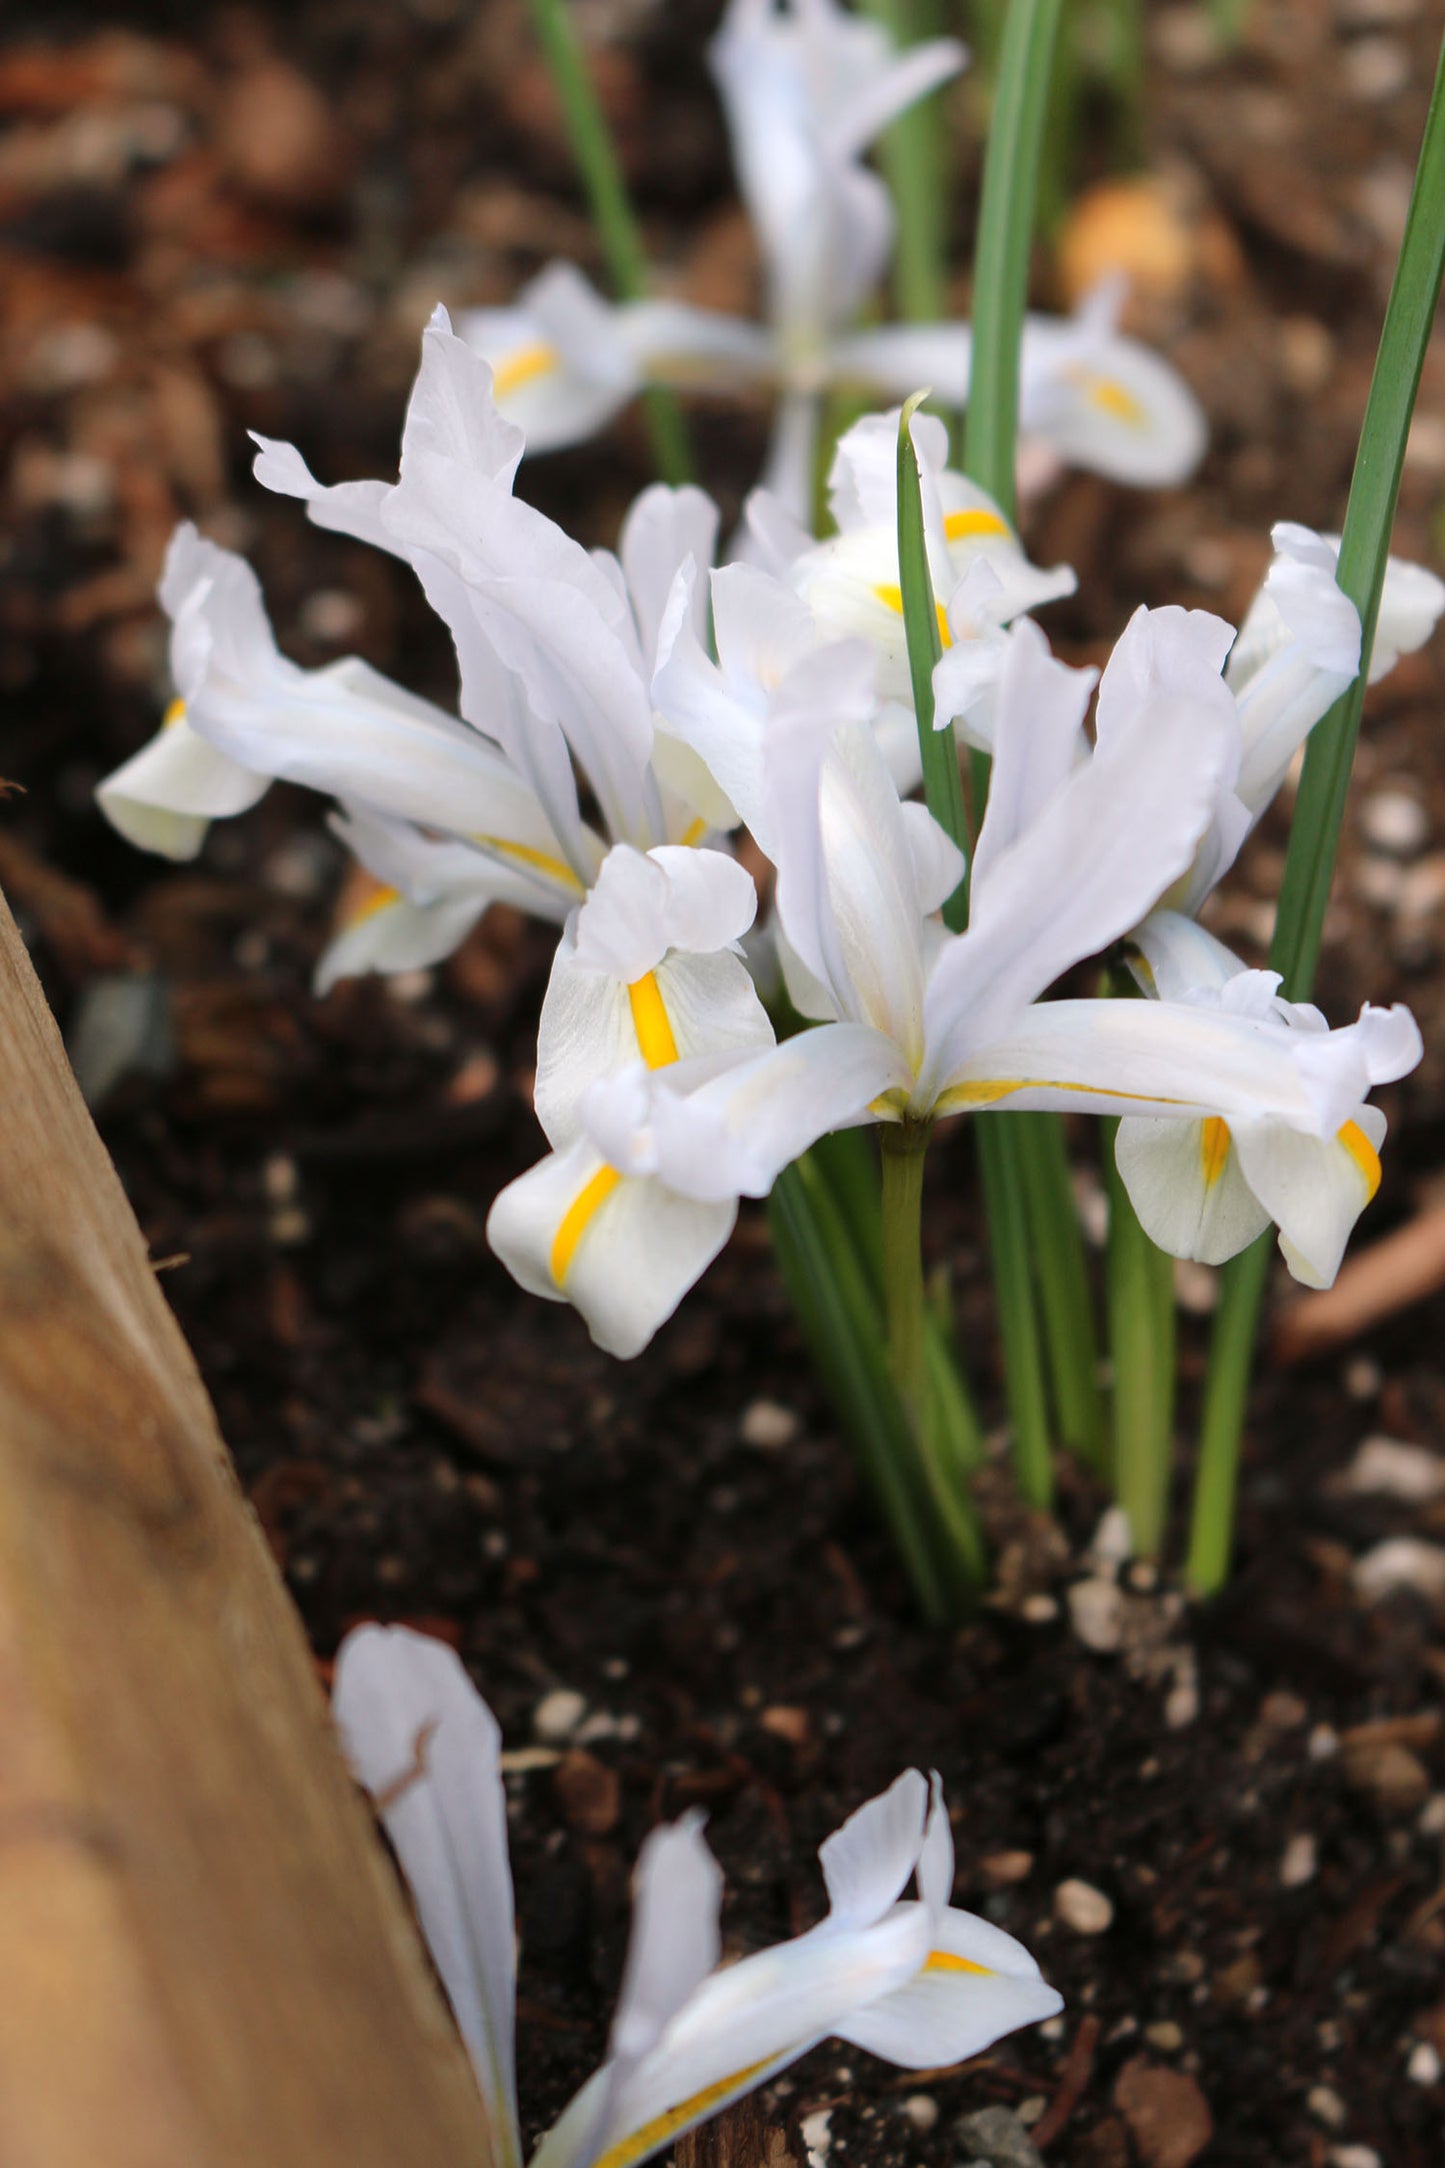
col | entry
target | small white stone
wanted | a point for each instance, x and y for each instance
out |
(1030, 2109)
(1354, 2156)
(1300, 1862)
(1376, 69)
(816, 2136)
(768, 1426)
(1424, 2066)
(333, 615)
(1363, 1377)
(1402, 1562)
(1096, 1613)
(558, 1714)
(1326, 2106)
(1323, 1743)
(1196, 1287)
(1432, 1817)
(1380, 883)
(1422, 888)
(1039, 1609)
(1389, 1468)
(280, 1179)
(521, 1761)
(1181, 1705)
(1394, 821)
(1113, 1543)
(921, 2110)
(600, 1725)
(1166, 2036)
(1083, 1908)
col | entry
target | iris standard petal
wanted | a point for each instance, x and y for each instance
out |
(867, 1862)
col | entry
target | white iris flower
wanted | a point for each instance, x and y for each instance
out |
(1206, 1189)
(806, 88)
(913, 1980)
(1073, 849)
(556, 648)
(662, 1094)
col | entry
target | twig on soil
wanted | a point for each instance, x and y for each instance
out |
(1073, 2080)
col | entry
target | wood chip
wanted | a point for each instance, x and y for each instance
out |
(1166, 2112)
(1377, 1283)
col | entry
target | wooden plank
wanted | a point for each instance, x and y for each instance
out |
(206, 1959)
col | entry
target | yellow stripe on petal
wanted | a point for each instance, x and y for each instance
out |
(1363, 1153)
(891, 596)
(1213, 1148)
(651, 1022)
(1110, 397)
(578, 1217)
(649, 2136)
(380, 898)
(523, 367)
(945, 1961)
(972, 525)
(175, 713)
(555, 869)
(694, 832)
(987, 1091)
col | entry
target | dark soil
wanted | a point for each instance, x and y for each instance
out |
(420, 1440)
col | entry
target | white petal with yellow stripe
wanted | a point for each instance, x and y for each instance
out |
(1105, 402)
(1184, 1062)
(852, 585)
(1314, 1192)
(565, 361)
(1187, 1187)
(623, 1220)
(622, 1251)
(646, 972)
(165, 796)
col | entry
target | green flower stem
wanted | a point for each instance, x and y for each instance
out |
(611, 208)
(943, 790)
(903, 1145)
(1226, 1395)
(938, 749)
(1066, 1311)
(1324, 784)
(1023, 1364)
(841, 1323)
(1142, 1332)
(847, 1162)
(915, 154)
(1025, 1168)
(1005, 235)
